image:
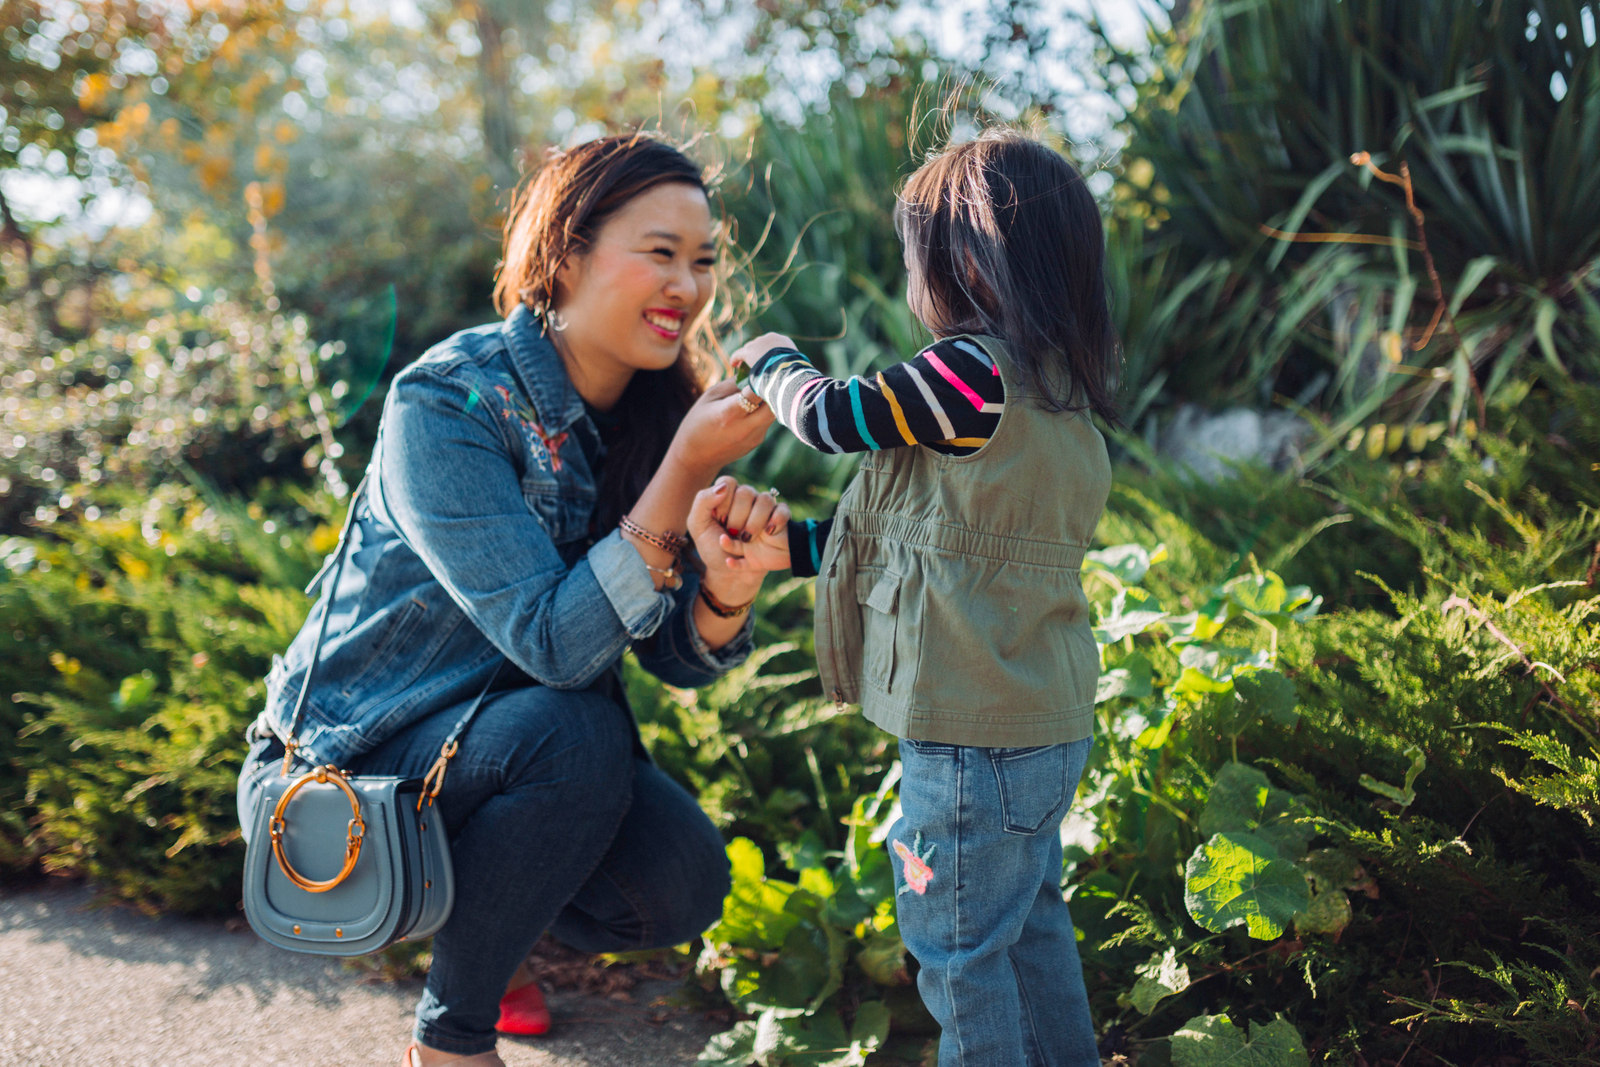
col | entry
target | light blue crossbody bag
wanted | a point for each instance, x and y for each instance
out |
(341, 864)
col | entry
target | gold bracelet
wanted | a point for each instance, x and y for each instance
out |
(721, 610)
(667, 542)
(671, 576)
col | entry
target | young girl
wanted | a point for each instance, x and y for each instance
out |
(948, 602)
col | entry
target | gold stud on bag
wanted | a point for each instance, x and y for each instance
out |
(342, 864)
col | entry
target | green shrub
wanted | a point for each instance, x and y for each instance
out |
(134, 653)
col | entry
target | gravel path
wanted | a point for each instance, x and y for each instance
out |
(105, 986)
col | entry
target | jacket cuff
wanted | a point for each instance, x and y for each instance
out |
(623, 578)
(730, 655)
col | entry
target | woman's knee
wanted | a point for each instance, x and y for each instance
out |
(579, 744)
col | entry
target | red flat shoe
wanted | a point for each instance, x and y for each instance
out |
(523, 1011)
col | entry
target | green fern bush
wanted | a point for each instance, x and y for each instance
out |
(132, 659)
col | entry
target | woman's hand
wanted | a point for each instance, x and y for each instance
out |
(741, 535)
(717, 430)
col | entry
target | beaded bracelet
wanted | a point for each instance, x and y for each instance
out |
(721, 610)
(668, 542)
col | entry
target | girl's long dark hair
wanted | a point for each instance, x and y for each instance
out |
(1004, 238)
(558, 213)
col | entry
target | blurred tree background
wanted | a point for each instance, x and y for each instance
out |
(225, 225)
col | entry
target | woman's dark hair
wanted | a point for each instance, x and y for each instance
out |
(557, 214)
(1004, 238)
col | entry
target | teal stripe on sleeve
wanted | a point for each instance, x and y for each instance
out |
(861, 420)
(811, 539)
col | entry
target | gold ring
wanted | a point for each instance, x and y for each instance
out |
(751, 405)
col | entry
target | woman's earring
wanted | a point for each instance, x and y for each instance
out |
(552, 318)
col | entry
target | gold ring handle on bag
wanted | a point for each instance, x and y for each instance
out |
(352, 848)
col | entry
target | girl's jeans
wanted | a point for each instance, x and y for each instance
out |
(977, 859)
(555, 824)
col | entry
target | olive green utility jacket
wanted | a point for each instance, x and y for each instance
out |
(949, 604)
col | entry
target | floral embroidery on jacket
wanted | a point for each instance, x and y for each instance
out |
(918, 873)
(545, 446)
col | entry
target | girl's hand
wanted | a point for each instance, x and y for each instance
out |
(717, 430)
(747, 354)
(741, 534)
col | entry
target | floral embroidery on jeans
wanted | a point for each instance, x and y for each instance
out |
(545, 446)
(918, 873)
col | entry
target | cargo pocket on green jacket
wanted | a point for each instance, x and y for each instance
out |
(878, 593)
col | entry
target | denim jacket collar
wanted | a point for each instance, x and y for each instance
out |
(544, 376)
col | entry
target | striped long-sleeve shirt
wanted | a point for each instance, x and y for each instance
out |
(948, 397)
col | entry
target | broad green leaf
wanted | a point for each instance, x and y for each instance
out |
(731, 1048)
(1213, 1041)
(753, 914)
(1328, 913)
(1130, 680)
(818, 881)
(1127, 563)
(1198, 625)
(882, 958)
(803, 852)
(1331, 868)
(871, 1026)
(1402, 795)
(1156, 736)
(1267, 695)
(1236, 878)
(1133, 611)
(1195, 682)
(801, 976)
(1243, 800)
(1222, 661)
(1265, 596)
(813, 1040)
(1160, 977)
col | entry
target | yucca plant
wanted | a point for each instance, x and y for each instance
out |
(816, 216)
(1304, 274)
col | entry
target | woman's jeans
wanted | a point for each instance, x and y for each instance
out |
(556, 823)
(977, 858)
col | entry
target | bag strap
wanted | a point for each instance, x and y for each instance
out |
(434, 780)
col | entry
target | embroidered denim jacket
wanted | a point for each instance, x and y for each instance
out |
(471, 544)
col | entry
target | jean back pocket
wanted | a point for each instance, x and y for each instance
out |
(1035, 786)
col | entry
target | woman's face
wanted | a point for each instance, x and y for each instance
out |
(629, 299)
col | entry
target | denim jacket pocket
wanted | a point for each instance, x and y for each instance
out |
(395, 634)
(1033, 786)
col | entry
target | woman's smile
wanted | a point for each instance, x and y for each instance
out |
(668, 322)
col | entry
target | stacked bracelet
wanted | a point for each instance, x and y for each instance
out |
(721, 610)
(667, 542)
(671, 576)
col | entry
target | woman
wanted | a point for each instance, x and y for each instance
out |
(522, 520)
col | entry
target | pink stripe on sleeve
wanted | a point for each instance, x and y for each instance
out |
(950, 376)
(803, 394)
